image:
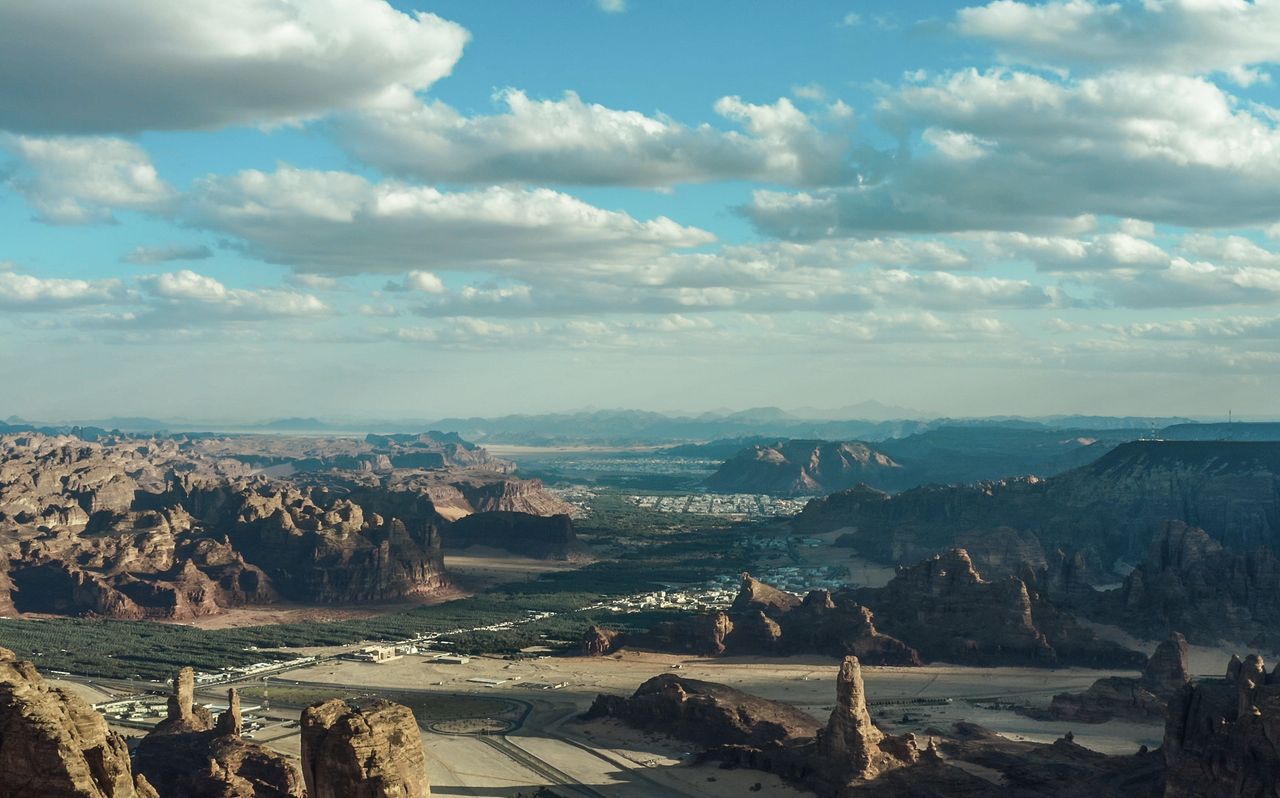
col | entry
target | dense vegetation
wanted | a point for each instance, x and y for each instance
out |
(671, 552)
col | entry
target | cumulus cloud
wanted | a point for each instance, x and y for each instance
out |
(27, 292)
(163, 254)
(337, 223)
(91, 66)
(569, 141)
(1014, 151)
(1183, 36)
(71, 180)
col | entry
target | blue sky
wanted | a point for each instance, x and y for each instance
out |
(352, 209)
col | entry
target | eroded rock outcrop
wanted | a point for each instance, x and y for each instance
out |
(176, 528)
(1222, 736)
(850, 736)
(708, 713)
(369, 751)
(851, 756)
(1144, 698)
(1192, 583)
(192, 754)
(943, 608)
(598, 641)
(54, 745)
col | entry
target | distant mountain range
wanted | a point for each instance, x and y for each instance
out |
(866, 421)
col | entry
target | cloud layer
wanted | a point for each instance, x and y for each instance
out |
(99, 66)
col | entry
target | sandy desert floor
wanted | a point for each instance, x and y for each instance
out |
(601, 758)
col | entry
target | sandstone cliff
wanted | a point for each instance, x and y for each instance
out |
(372, 751)
(54, 745)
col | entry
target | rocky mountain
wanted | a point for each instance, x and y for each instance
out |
(1220, 736)
(806, 468)
(168, 529)
(372, 750)
(54, 745)
(1110, 509)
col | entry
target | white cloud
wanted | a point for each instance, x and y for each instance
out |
(163, 254)
(425, 282)
(1028, 153)
(104, 66)
(339, 223)
(1101, 252)
(81, 180)
(27, 292)
(850, 20)
(612, 6)
(1183, 36)
(568, 141)
(187, 298)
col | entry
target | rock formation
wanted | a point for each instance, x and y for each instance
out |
(54, 745)
(1192, 583)
(765, 620)
(191, 754)
(598, 641)
(372, 751)
(806, 468)
(175, 528)
(549, 537)
(708, 713)
(1221, 735)
(1139, 699)
(850, 736)
(943, 608)
(851, 757)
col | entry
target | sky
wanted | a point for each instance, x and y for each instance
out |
(359, 209)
